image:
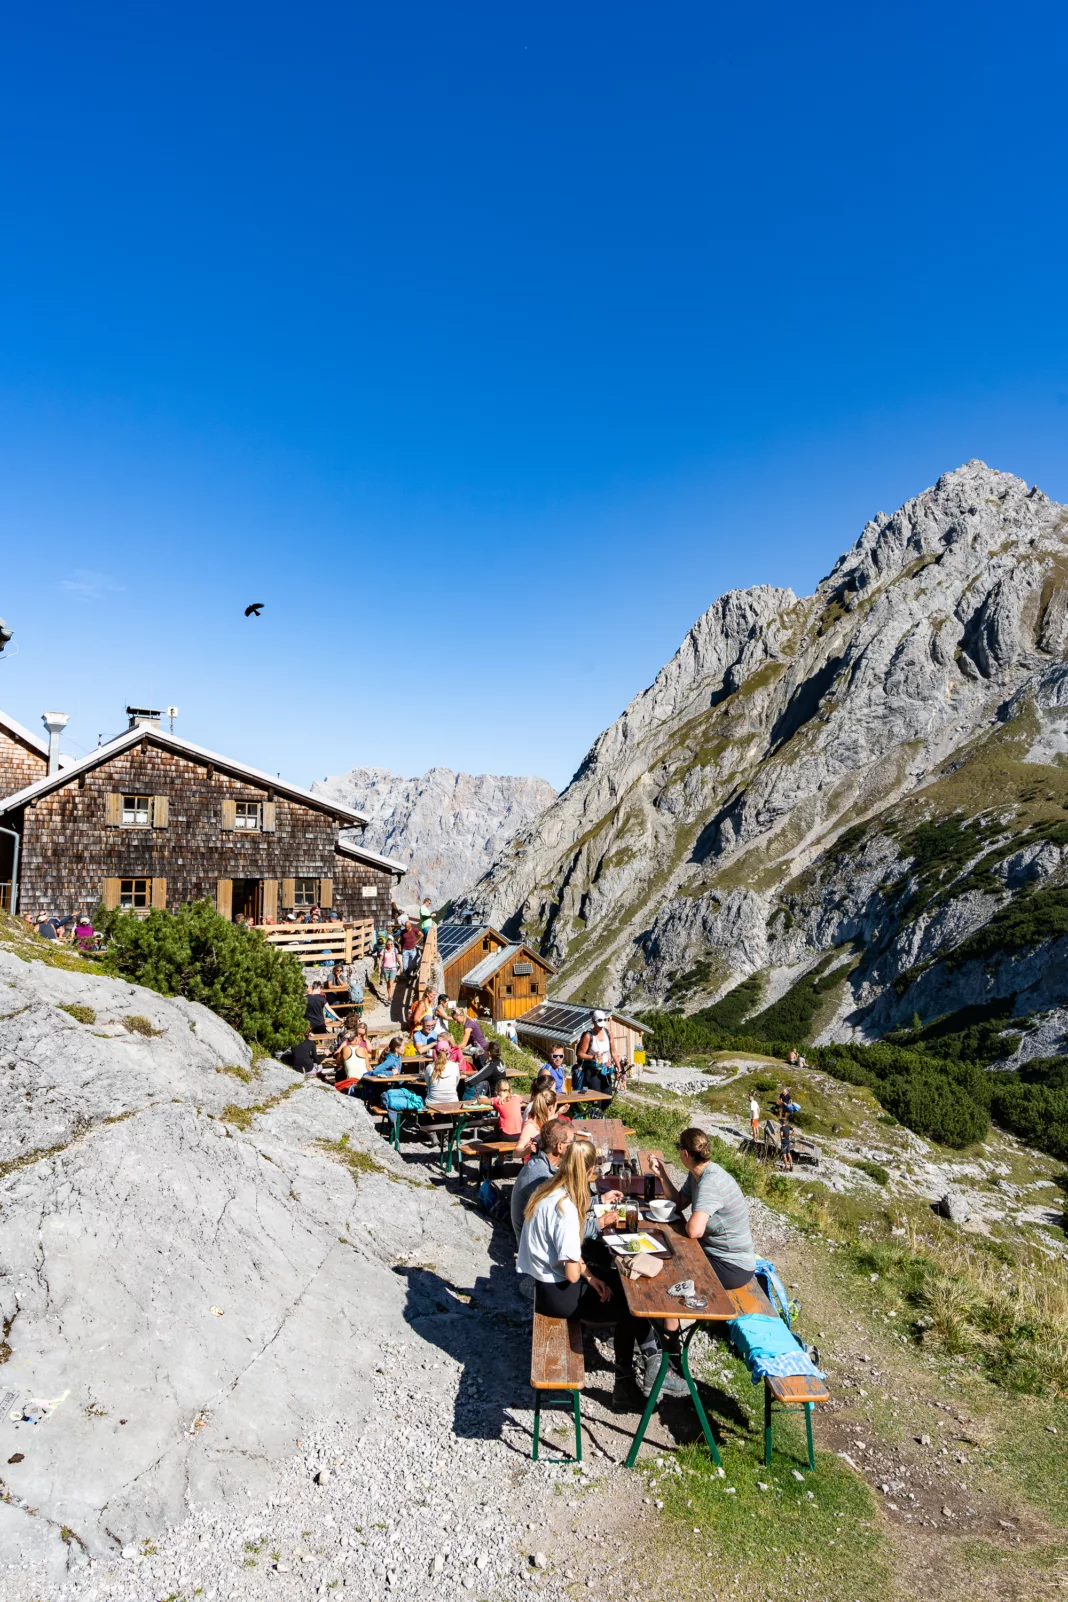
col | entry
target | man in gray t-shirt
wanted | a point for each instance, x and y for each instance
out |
(719, 1216)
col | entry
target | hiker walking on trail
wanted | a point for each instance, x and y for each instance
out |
(786, 1145)
(389, 966)
(409, 944)
(754, 1118)
(597, 1060)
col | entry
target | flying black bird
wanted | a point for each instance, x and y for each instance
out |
(255, 609)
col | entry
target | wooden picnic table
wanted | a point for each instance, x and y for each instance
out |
(648, 1298)
(458, 1113)
(606, 1133)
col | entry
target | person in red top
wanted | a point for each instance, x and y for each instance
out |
(409, 944)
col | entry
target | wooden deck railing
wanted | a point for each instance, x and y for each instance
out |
(322, 942)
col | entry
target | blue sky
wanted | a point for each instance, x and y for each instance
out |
(488, 344)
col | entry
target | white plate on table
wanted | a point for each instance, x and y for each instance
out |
(631, 1245)
(649, 1218)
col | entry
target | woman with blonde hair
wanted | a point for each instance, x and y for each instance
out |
(550, 1251)
(442, 1078)
(542, 1108)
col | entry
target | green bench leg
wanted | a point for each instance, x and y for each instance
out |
(808, 1435)
(706, 1427)
(576, 1415)
(768, 1425)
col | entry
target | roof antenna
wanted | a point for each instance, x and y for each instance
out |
(172, 713)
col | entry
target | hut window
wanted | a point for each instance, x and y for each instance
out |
(134, 892)
(136, 814)
(247, 815)
(305, 892)
(533, 987)
(508, 990)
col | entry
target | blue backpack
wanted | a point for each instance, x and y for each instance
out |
(400, 1099)
(775, 1291)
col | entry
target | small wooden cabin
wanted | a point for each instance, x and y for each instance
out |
(151, 820)
(562, 1023)
(507, 982)
(462, 945)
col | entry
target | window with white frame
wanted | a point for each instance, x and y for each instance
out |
(247, 815)
(136, 811)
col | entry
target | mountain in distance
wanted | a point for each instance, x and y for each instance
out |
(446, 827)
(855, 802)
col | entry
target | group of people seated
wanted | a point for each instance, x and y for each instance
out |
(76, 929)
(565, 1261)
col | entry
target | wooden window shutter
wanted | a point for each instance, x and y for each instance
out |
(159, 893)
(268, 816)
(270, 899)
(113, 814)
(229, 815)
(224, 897)
(161, 811)
(112, 888)
(288, 889)
(326, 892)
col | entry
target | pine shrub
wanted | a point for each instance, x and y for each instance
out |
(195, 953)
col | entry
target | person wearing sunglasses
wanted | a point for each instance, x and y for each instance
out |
(555, 1067)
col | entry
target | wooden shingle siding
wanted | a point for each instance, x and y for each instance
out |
(71, 845)
(19, 764)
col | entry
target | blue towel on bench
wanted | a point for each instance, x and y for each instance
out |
(767, 1346)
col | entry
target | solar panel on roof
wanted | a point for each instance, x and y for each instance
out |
(456, 937)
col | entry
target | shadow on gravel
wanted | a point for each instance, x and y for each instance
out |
(485, 1327)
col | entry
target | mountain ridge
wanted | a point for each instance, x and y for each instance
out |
(676, 859)
(445, 827)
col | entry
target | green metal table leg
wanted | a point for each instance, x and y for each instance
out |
(577, 1409)
(768, 1426)
(537, 1424)
(706, 1427)
(650, 1408)
(453, 1149)
(808, 1435)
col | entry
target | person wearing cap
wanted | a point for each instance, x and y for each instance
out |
(597, 1060)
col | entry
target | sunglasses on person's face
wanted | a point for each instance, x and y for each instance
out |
(557, 1056)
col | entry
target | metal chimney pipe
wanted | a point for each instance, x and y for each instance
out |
(55, 723)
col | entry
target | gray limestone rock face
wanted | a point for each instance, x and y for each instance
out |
(190, 1273)
(747, 812)
(448, 828)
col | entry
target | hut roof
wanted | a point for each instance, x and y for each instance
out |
(9, 726)
(349, 849)
(197, 753)
(566, 1022)
(455, 937)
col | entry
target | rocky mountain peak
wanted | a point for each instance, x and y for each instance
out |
(781, 724)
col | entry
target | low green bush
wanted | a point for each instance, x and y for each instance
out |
(195, 953)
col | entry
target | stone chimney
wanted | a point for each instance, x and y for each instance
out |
(55, 723)
(143, 717)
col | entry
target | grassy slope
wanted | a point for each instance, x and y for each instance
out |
(907, 1358)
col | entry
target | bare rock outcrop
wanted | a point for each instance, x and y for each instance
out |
(191, 1279)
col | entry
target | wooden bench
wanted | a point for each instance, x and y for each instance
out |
(488, 1152)
(792, 1390)
(557, 1364)
(395, 1117)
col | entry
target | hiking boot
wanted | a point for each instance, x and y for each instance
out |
(674, 1384)
(626, 1393)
